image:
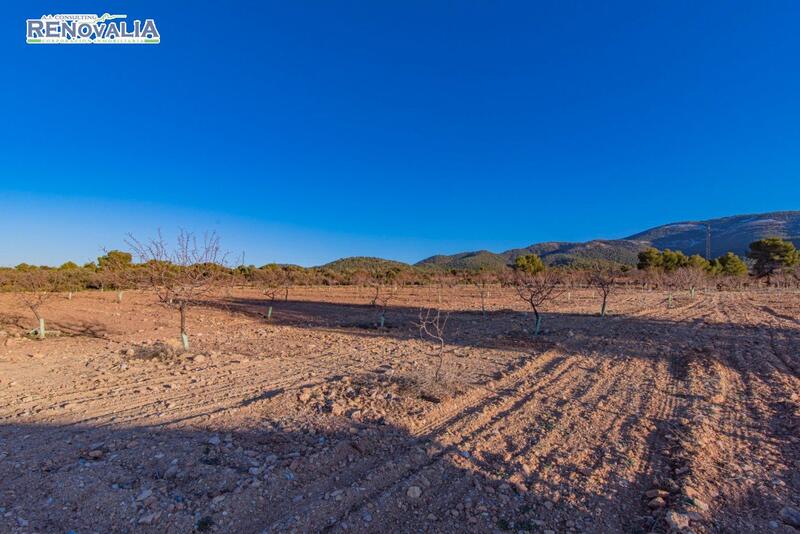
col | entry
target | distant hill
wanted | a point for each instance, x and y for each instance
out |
(466, 260)
(733, 233)
(727, 234)
(364, 263)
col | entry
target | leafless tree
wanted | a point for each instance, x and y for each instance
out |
(376, 283)
(689, 278)
(388, 293)
(286, 283)
(536, 289)
(432, 326)
(34, 288)
(269, 280)
(442, 281)
(181, 275)
(483, 280)
(604, 280)
(385, 284)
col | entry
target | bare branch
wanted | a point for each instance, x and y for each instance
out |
(432, 325)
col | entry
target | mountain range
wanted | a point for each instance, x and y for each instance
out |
(727, 234)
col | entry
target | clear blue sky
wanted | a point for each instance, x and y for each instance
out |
(304, 131)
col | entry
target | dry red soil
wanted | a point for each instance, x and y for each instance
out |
(649, 420)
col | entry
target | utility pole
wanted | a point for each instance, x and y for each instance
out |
(708, 242)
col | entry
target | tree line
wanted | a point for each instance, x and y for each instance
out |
(117, 270)
(187, 272)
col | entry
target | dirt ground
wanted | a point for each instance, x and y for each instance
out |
(649, 420)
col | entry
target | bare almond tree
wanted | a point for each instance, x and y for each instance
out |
(286, 282)
(536, 289)
(443, 281)
(604, 280)
(34, 288)
(483, 280)
(388, 293)
(182, 275)
(690, 278)
(268, 279)
(386, 286)
(432, 326)
(376, 282)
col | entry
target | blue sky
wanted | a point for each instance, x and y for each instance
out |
(306, 131)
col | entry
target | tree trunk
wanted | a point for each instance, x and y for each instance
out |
(538, 321)
(439, 367)
(603, 308)
(184, 335)
(377, 294)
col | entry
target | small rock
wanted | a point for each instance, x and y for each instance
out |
(414, 492)
(145, 494)
(337, 409)
(214, 440)
(790, 516)
(95, 454)
(658, 502)
(653, 493)
(677, 521)
(171, 472)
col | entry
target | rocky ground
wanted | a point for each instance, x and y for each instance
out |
(653, 419)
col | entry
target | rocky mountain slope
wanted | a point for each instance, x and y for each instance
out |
(733, 233)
